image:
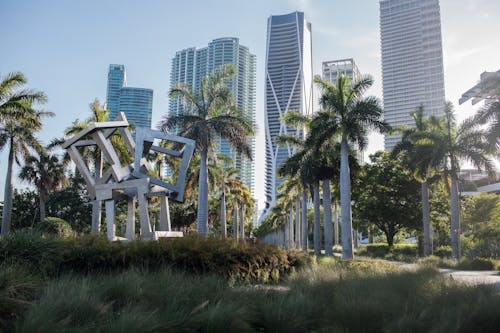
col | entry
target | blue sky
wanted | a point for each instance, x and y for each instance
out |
(64, 47)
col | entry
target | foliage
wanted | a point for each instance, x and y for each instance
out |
(168, 301)
(467, 264)
(443, 251)
(403, 252)
(234, 261)
(387, 196)
(17, 290)
(55, 226)
(25, 209)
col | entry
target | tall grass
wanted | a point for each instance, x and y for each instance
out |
(331, 296)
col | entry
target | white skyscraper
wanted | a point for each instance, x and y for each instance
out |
(412, 60)
(192, 65)
(288, 87)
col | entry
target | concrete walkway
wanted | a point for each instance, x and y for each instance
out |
(474, 277)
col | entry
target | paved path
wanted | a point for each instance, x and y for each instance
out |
(474, 277)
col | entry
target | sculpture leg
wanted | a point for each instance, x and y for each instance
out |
(110, 219)
(164, 214)
(144, 216)
(130, 230)
(96, 216)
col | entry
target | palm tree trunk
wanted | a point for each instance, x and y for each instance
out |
(316, 235)
(327, 213)
(335, 224)
(235, 221)
(455, 217)
(7, 204)
(292, 233)
(242, 221)
(223, 215)
(42, 201)
(297, 223)
(304, 230)
(203, 195)
(426, 219)
(345, 203)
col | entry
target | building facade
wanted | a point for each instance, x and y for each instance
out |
(288, 86)
(346, 67)
(192, 65)
(412, 61)
(136, 103)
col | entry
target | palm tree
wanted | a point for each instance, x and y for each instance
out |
(490, 113)
(46, 172)
(210, 114)
(346, 113)
(424, 158)
(19, 120)
(468, 142)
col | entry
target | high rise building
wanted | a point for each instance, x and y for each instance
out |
(192, 65)
(288, 87)
(412, 61)
(346, 67)
(136, 103)
(117, 78)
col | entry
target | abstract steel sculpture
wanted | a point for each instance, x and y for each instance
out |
(131, 182)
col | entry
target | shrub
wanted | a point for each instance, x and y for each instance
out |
(377, 250)
(443, 251)
(55, 226)
(476, 264)
(199, 255)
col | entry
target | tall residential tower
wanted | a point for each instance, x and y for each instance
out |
(412, 61)
(136, 103)
(288, 87)
(192, 65)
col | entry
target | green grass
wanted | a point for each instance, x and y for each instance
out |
(330, 296)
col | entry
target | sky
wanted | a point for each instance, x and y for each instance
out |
(65, 47)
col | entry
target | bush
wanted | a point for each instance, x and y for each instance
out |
(443, 251)
(476, 264)
(194, 254)
(377, 250)
(400, 252)
(55, 226)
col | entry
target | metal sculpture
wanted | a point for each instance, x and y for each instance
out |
(132, 182)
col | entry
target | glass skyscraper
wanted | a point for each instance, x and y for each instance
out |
(136, 103)
(288, 87)
(412, 61)
(192, 65)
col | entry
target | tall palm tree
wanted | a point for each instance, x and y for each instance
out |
(469, 142)
(346, 113)
(424, 157)
(19, 121)
(47, 173)
(210, 113)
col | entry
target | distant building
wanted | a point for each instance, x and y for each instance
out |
(192, 65)
(346, 67)
(288, 86)
(412, 61)
(136, 103)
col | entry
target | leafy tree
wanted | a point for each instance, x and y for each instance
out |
(25, 209)
(346, 113)
(209, 114)
(388, 195)
(490, 113)
(19, 121)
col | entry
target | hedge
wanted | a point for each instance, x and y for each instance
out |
(50, 256)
